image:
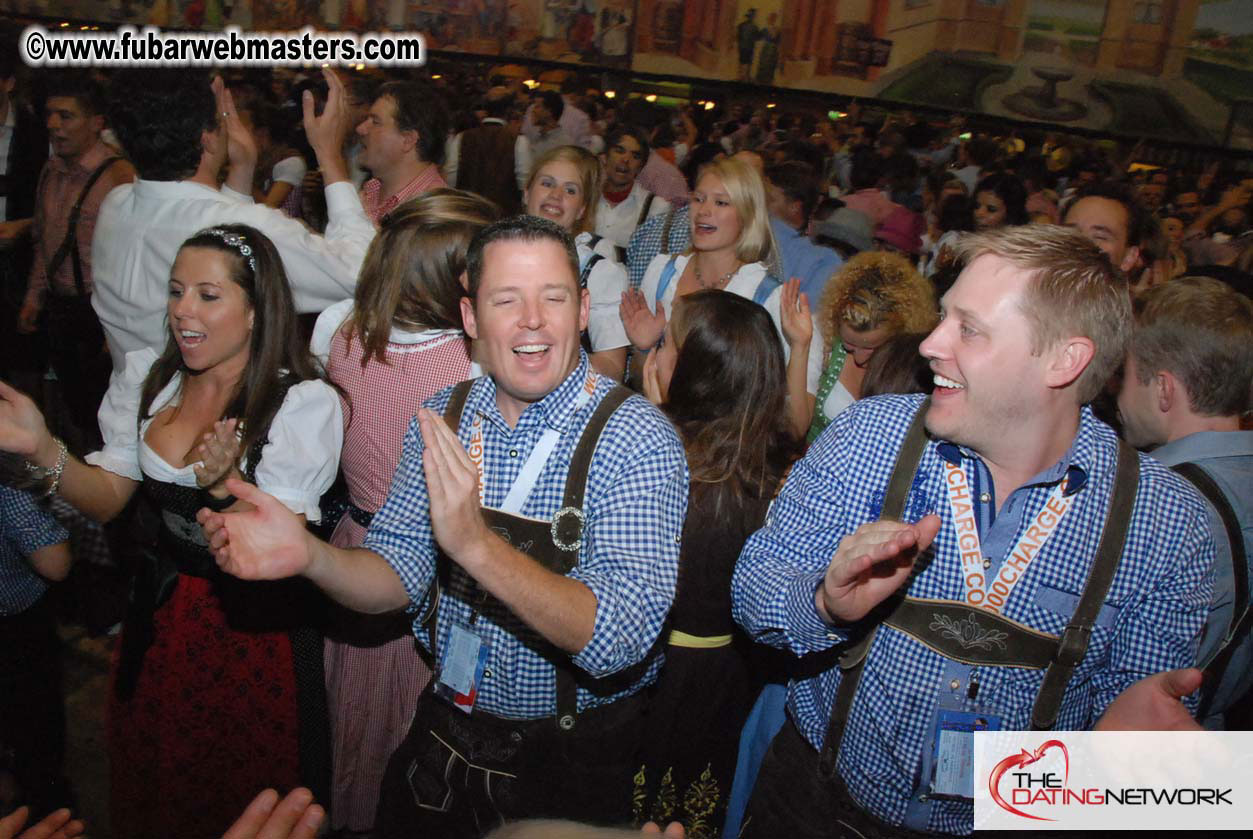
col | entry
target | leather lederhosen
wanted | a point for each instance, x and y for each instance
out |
(977, 636)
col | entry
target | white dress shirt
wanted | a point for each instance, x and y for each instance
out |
(142, 225)
(605, 285)
(618, 222)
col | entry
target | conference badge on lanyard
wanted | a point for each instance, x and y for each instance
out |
(461, 667)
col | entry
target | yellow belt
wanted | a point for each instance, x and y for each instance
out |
(699, 642)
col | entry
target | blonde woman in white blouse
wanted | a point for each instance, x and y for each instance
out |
(733, 250)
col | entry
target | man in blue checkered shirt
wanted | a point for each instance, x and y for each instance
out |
(537, 709)
(1004, 514)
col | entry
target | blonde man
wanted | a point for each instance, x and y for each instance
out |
(1006, 481)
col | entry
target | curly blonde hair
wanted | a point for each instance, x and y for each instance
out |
(877, 290)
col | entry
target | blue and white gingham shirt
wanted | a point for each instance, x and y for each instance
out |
(25, 527)
(646, 243)
(1150, 621)
(635, 503)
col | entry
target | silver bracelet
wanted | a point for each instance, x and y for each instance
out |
(43, 473)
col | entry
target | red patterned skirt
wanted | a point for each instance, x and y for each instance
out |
(213, 719)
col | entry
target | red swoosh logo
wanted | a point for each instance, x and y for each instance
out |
(1025, 758)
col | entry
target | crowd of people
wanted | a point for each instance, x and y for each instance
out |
(477, 455)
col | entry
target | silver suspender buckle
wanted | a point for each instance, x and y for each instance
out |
(556, 529)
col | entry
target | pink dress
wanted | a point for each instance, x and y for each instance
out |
(374, 673)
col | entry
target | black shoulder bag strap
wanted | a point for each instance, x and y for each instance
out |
(1241, 617)
(851, 661)
(69, 247)
(1074, 641)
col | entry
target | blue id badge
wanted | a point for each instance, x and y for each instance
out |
(953, 758)
(461, 667)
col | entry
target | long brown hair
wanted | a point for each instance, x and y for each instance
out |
(411, 276)
(727, 394)
(277, 355)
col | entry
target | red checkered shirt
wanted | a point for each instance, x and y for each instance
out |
(426, 180)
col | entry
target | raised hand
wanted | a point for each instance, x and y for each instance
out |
(326, 131)
(266, 543)
(22, 427)
(452, 483)
(219, 457)
(794, 316)
(241, 148)
(869, 565)
(643, 326)
(1152, 704)
(56, 825)
(295, 817)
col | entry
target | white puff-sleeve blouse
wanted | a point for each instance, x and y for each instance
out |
(298, 463)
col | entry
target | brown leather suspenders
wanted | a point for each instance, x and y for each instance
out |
(931, 621)
(554, 544)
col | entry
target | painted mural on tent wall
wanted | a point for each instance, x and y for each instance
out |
(1175, 69)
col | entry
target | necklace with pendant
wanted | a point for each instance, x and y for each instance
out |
(720, 283)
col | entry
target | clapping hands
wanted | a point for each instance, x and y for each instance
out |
(219, 457)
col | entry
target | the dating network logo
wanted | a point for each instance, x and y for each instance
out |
(1030, 787)
(1027, 787)
(1113, 780)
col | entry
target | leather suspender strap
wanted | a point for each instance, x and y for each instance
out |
(648, 205)
(567, 523)
(1206, 485)
(452, 416)
(1074, 641)
(1242, 616)
(586, 273)
(69, 247)
(665, 230)
(567, 531)
(581, 460)
(566, 528)
(457, 403)
(907, 460)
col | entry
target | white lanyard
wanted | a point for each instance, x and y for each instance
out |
(1014, 568)
(525, 482)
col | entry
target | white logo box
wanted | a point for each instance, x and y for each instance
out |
(1114, 780)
